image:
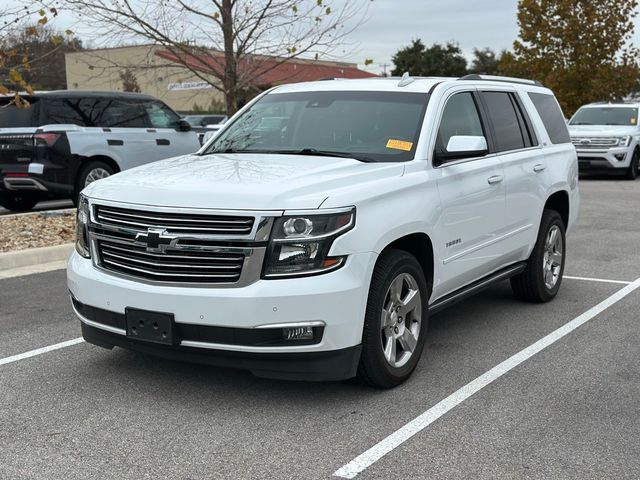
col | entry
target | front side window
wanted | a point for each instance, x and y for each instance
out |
(606, 116)
(161, 116)
(503, 117)
(460, 117)
(367, 126)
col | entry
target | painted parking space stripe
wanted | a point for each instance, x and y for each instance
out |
(602, 280)
(397, 438)
(40, 351)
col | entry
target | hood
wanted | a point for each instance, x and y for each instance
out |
(239, 181)
(602, 130)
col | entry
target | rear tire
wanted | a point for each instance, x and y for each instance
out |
(90, 172)
(541, 279)
(19, 201)
(634, 167)
(396, 321)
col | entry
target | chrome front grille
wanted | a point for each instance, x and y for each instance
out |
(187, 223)
(179, 246)
(586, 143)
(173, 266)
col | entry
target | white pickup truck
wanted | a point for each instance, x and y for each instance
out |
(316, 234)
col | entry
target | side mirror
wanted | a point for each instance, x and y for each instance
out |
(183, 125)
(463, 146)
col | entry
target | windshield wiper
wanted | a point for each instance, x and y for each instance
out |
(323, 153)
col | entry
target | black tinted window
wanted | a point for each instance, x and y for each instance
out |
(502, 114)
(66, 110)
(124, 114)
(460, 117)
(551, 116)
(12, 116)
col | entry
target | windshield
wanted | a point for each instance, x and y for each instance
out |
(606, 116)
(367, 126)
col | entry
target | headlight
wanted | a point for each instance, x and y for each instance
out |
(624, 141)
(82, 228)
(300, 244)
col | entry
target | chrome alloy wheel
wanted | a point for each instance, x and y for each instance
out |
(552, 259)
(96, 174)
(401, 320)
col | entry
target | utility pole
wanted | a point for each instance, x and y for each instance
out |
(384, 68)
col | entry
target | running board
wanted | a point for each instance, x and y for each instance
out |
(476, 287)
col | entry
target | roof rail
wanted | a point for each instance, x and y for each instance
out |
(495, 78)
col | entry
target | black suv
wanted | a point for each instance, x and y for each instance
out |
(67, 139)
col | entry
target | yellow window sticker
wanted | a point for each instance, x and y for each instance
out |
(633, 120)
(399, 145)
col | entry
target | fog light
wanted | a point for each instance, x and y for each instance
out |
(298, 333)
(620, 156)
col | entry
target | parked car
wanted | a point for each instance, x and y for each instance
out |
(607, 138)
(316, 234)
(204, 125)
(68, 139)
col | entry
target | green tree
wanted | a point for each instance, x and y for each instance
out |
(580, 49)
(486, 61)
(437, 60)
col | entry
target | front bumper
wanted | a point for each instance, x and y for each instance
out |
(337, 300)
(327, 366)
(613, 159)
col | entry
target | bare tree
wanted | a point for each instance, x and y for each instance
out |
(230, 44)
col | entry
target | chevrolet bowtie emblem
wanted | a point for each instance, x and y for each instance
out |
(156, 240)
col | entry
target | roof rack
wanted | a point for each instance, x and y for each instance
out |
(495, 78)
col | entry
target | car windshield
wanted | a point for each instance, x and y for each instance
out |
(366, 126)
(606, 116)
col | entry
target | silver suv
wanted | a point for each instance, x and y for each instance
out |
(606, 137)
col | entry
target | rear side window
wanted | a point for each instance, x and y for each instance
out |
(460, 117)
(14, 117)
(551, 116)
(503, 117)
(66, 110)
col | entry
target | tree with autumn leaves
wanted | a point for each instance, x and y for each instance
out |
(28, 47)
(580, 49)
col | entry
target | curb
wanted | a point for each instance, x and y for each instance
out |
(35, 256)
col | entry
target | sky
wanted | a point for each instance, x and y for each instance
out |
(393, 24)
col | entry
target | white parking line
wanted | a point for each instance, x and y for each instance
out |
(603, 280)
(40, 351)
(397, 438)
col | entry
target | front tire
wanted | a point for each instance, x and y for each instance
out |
(634, 167)
(92, 171)
(19, 201)
(541, 279)
(396, 321)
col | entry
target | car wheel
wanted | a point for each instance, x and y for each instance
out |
(634, 167)
(92, 171)
(396, 321)
(19, 201)
(541, 279)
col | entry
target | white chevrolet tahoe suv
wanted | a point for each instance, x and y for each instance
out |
(607, 138)
(316, 234)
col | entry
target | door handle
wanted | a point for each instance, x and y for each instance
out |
(495, 179)
(539, 167)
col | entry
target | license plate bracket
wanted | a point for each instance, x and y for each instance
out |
(150, 326)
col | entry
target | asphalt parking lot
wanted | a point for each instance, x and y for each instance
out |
(44, 205)
(569, 411)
